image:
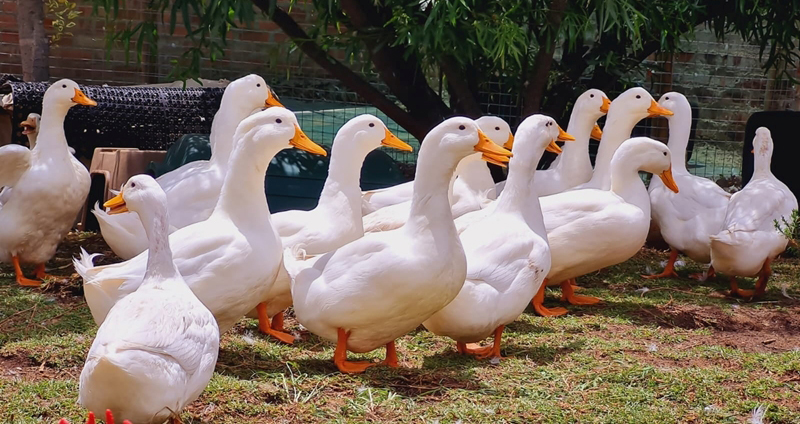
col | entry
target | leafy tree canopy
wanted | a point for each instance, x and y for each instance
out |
(544, 52)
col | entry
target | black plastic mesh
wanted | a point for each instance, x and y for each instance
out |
(143, 117)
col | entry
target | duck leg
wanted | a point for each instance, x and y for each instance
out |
(40, 274)
(277, 322)
(21, 280)
(761, 283)
(669, 270)
(538, 304)
(568, 294)
(391, 356)
(348, 367)
(483, 352)
(711, 273)
(266, 328)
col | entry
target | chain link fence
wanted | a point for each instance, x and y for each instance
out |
(722, 80)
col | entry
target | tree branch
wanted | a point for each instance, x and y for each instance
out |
(401, 72)
(540, 71)
(462, 97)
(341, 72)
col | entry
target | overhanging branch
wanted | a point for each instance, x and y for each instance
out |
(339, 71)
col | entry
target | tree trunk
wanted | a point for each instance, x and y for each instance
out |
(411, 123)
(540, 71)
(401, 72)
(34, 45)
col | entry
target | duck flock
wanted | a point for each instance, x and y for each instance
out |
(450, 250)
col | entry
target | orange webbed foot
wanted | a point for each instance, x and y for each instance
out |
(483, 352)
(265, 326)
(568, 294)
(538, 304)
(669, 269)
(21, 280)
(665, 274)
(349, 367)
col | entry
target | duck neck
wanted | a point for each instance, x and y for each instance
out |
(475, 173)
(32, 139)
(344, 177)
(761, 166)
(680, 126)
(575, 155)
(51, 128)
(519, 195)
(433, 187)
(160, 266)
(227, 118)
(617, 129)
(626, 183)
(242, 194)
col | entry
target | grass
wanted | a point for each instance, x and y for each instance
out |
(681, 352)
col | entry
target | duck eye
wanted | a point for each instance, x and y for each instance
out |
(63, 85)
(497, 128)
(278, 120)
(133, 185)
(665, 153)
(638, 96)
(591, 95)
(258, 85)
(371, 124)
(666, 98)
(461, 127)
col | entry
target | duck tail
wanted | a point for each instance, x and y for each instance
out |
(84, 264)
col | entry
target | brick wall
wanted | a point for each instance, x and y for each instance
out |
(261, 49)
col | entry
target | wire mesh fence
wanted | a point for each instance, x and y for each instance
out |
(723, 81)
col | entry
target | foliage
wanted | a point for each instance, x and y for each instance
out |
(64, 15)
(791, 230)
(462, 46)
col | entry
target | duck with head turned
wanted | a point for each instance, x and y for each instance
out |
(156, 351)
(471, 188)
(689, 218)
(336, 220)
(749, 240)
(193, 189)
(507, 252)
(624, 113)
(231, 259)
(573, 166)
(590, 229)
(49, 186)
(369, 292)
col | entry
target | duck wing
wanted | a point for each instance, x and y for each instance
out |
(15, 160)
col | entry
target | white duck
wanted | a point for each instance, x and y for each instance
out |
(471, 188)
(474, 175)
(687, 219)
(336, 220)
(156, 351)
(231, 259)
(193, 189)
(49, 186)
(507, 252)
(624, 113)
(590, 229)
(369, 292)
(30, 128)
(573, 166)
(749, 240)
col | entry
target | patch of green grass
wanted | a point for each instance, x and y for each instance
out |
(679, 352)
